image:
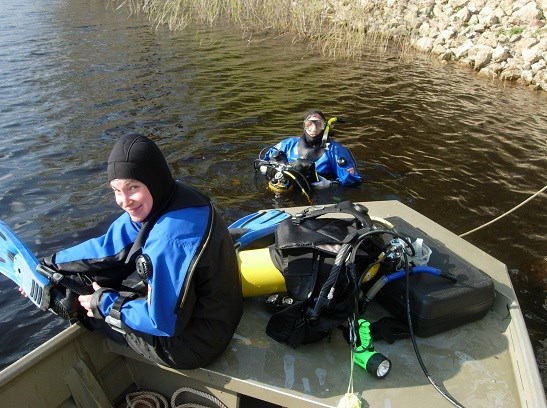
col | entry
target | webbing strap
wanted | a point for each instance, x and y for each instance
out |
(345, 207)
(114, 318)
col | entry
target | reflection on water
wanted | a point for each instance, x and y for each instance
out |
(457, 148)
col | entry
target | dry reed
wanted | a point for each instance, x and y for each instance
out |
(314, 22)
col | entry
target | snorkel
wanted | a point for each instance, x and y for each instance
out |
(325, 140)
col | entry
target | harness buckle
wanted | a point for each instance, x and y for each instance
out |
(115, 324)
(114, 318)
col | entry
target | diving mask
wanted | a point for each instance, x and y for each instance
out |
(319, 124)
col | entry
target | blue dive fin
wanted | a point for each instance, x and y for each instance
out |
(19, 264)
(256, 226)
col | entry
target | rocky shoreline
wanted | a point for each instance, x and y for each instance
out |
(501, 39)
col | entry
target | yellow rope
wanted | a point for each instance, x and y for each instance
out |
(349, 399)
(506, 213)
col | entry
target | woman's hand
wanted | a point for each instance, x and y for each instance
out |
(85, 300)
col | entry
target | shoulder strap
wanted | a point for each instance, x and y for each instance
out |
(326, 293)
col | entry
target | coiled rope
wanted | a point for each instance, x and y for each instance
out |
(201, 394)
(151, 399)
(506, 213)
(145, 399)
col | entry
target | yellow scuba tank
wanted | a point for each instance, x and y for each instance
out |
(258, 274)
(278, 187)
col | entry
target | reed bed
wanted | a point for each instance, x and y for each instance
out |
(329, 26)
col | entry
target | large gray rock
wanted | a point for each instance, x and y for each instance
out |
(532, 55)
(480, 55)
(462, 50)
(500, 54)
(528, 12)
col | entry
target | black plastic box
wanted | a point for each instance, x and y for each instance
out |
(437, 304)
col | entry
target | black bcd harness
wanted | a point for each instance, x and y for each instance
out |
(321, 259)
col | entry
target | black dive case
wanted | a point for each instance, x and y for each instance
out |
(438, 304)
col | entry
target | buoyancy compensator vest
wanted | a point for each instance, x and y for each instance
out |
(321, 259)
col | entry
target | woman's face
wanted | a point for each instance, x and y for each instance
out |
(134, 197)
(314, 125)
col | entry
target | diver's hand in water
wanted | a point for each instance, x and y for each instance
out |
(322, 183)
(85, 300)
(23, 292)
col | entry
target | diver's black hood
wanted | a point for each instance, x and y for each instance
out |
(137, 157)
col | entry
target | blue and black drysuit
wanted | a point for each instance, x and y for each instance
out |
(191, 303)
(334, 162)
(184, 305)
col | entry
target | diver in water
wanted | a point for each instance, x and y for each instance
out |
(164, 277)
(333, 162)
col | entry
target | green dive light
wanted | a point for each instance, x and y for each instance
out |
(375, 363)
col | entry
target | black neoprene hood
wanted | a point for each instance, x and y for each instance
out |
(137, 157)
(315, 112)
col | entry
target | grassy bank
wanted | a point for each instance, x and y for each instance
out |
(317, 23)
